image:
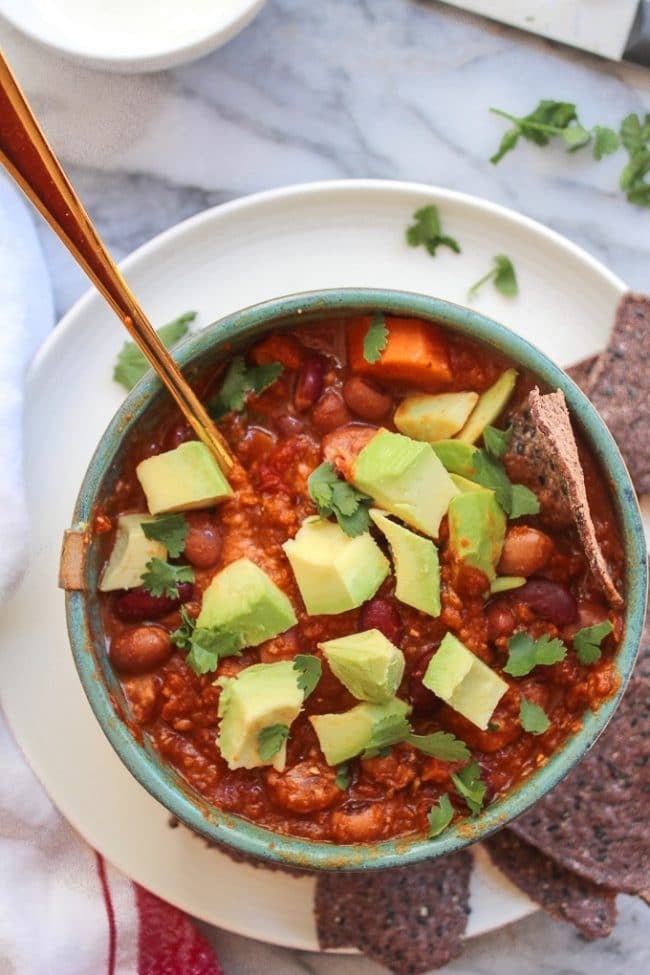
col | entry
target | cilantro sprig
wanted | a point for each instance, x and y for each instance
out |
(375, 339)
(442, 745)
(427, 231)
(532, 717)
(169, 530)
(131, 364)
(391, 730)
(162, 579)
(587, 641)
(270, 740)
(439, 816)
(635, 136)
(503, 277)
(554, 119)
(497, 441)
(204, 647)
(515, 499)
(309, 669)
(333, 496)
(470, 786)
(238, 383)
(526, 653)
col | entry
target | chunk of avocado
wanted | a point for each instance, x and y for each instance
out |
(406, 478)
(417, 569)
(257, 698)
(477, 529)
(456, 457)
(489, 406)
(181, 479)
(464, 682)
(504, 583)
(434, 417)
(464, 485)
(130, 554)
(369, 665)
(244, 600)
(342, 736)
(334, 572)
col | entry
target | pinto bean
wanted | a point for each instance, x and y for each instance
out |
(140, 649)
(589, 614)
(288, 425)
(330, 412)
(394, 771)
(525, 551)
(380, 614)
(307, 787)
(361, 823)
(501, 620)
(138, 604)
(550, 600)
(366, 399)
(204, 540)
(310, 381)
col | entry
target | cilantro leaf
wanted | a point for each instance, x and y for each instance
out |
(533, 718)
(515, 499)
(333, 496)
(606, 141)
(470, 786)
(427, 231)
(388, 731)
(523, 501)
(576, 137)
(375, 339)
(131, 364)
(442, 745)
(182, 637)
(549, 119)
(502, 275)
(169, 530)
(343, 777)
(635, 136)
(162, 579)
(209, 645)
(309, 670)
(588, 640)
(525, 653)
(496, 441)
(440, 815)
(238, 383)
(270, 740)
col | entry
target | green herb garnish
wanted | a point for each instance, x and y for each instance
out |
(440, 815)
(503, 277)
(343, 777)
(333, 496)
(470, 786)
(533, 718)
(162, 579)
(182, 637)
(209, 645)
(442, 745)
(270, 740)
(497, 441)
(552, 119)
(427, 231)
(131, 364)
(588, 640)
(238, 383)
(391, 730)
(635, 136)
(375, 339)
(515, 499)
(525, 653)
(169, 530)
(309, 670)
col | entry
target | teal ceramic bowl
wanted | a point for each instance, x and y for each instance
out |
(202, 352)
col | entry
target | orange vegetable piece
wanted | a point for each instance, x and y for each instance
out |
(284, 349)
(415, 353)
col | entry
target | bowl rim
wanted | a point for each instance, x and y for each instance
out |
(258, 841)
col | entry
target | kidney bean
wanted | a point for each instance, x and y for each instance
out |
(310, 381)
(140, 648)
(525, 551)
(501, 620)
(380, 614)
(550, 600)
(204, 540)
(138, 604)
(366, 399)
(330, 412)
(422, 698)
(289, 426)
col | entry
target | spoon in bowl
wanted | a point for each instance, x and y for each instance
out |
(28, 158)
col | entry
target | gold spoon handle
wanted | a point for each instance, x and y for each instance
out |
(25, 153)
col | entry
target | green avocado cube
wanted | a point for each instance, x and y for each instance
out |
(130, 554)
(369, 665)
(456, 457)
(491, 403)
(504, 583)
(435, 417)
(417, 569)
(334, 572)
(477, 529)
(342, 736)
(244, 600)
(261, 697)
(406, 478)
(464, 682)
(465, 486)
(181, 479)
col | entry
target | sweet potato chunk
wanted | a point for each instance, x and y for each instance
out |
(415, 353)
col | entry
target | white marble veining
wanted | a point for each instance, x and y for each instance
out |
(353, 88)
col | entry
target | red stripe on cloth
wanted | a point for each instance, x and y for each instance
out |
(169, 944)
(110, 913)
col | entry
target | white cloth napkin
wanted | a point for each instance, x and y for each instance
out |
(63, 909)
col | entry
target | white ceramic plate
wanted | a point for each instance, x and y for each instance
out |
(131, 35)
(300, 238)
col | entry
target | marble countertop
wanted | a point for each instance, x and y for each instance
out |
(353, 88)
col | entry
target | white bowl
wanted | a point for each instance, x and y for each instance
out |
(131, 35)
